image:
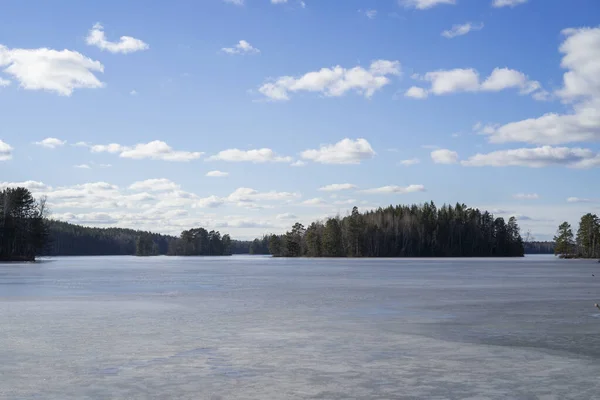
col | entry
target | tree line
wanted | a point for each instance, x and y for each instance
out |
(26, 231)
(585, 244)
(403, 231)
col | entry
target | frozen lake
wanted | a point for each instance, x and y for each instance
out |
(247, 327)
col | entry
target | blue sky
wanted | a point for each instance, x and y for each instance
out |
(494, 103)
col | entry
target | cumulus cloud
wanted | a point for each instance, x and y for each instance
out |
(507, 3)
(335, 187)
(298, 163)
(444, 156)
(4, 82)
(154, 185)
(536, 158)
(45, 69)
(155, 150)
(526, 196)
(51, 143)
(581, 88)
(217, 174)
(34, 186)
(82, 166)
(395, 189)
(416, 92)
(346, 151)
(461, 29)
(242, 47)
(335, 81)
(409, 162)
(209, 202)
(125, 45)
(457, 80)
(256, 156)
(5, 151)
(424, 4)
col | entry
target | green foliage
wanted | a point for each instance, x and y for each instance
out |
(23, 229)
(145, 245)
(564, 243)
(588, 236)
(405, 231)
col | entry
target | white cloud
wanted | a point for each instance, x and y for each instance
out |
(209, 202)
(507, 3)
(581, 200)
(455, 80)
(217, 174)
(424, 4)
(235, 2)
(346, 151)
(371, 14)
(467, 80)
(4, 82)
(286, 216)
(133, 93)
(82, 166)
(154, 185)
(444, 156)
(46, 69)
(125, 45)
(581, 86)
(255, 156)
(279, 1)
(155, 150)
(416, 93)
(526, 196)
(536, 158)
(298, 163)
(5, 151)
(335, 81)
(250, 195)
(409, 162)
(243, 47)
(504, 78)
(461, 29)
(317, 201)
(51, 143)
(31, 185)
(395, 189)
(335, 187)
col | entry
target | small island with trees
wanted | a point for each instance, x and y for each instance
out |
(587, 242)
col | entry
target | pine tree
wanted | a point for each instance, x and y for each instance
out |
(564, 241)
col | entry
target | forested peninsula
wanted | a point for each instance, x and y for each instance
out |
(26, 230)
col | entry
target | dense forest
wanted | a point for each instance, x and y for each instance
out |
(586, 244)
(23, 231)
(73, 240)
(403, 231)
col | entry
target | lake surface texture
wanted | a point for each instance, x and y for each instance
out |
(259, 328)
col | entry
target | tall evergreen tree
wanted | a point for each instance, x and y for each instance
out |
(588, 236)
(564, 243)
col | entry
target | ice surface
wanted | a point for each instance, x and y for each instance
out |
(262, 328)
